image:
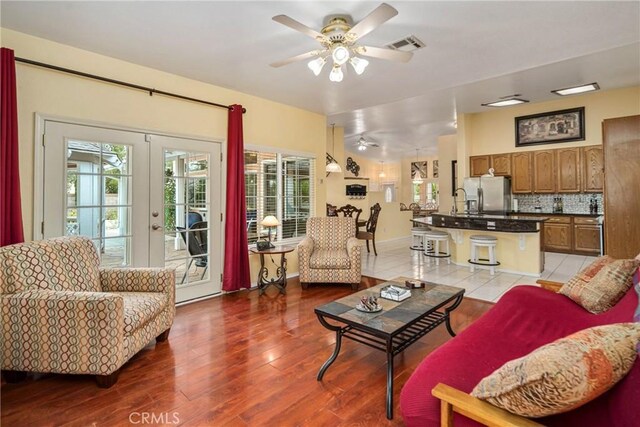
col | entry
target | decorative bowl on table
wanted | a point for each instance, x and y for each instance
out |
(369, 304)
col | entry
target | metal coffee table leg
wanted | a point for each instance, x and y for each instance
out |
(447, 312)
(333, 357)
(389, 380)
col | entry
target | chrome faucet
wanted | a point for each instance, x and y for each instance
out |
(454, 208)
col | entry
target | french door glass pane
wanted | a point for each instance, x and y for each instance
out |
(186, 208)
(98, 197)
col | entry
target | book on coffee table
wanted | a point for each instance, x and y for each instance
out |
(395, 293)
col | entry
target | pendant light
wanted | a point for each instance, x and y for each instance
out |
(333, 167)
(381, 174)
(418, 178)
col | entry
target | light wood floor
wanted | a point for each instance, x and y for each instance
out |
(237, 360)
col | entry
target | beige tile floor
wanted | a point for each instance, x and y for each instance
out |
(396, 259)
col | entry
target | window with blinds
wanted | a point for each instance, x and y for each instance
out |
(281, 185)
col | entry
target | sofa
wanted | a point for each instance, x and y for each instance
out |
(525, 318)
(330, 252)
(62, 313)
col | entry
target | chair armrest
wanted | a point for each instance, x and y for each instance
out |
(549, 285)
(84, 328)
(354, 247)
(453, 400)
(138, 280)
(305, 248)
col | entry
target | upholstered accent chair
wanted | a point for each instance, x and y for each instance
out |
(64, 314)
(330, 253)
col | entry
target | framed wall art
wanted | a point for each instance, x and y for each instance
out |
(551, 127)
(419, 170)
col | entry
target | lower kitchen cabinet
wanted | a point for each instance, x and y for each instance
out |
(557, 234)
(572, 235)
(586, 235)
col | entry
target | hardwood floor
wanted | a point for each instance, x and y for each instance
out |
(237, 360)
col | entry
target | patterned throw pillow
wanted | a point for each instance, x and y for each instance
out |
(602, 284)
(564, 374)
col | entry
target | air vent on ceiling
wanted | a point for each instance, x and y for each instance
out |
(407, 44)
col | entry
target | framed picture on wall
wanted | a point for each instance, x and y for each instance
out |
(551, 127)
(435, 168)
(419, 169)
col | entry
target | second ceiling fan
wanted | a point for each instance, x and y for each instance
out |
(338, 39)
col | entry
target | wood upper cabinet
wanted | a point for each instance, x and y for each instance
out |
(568, 170)
(544, 174)
(479, 165)
(501, 163)
(593, 169)
(521, 173)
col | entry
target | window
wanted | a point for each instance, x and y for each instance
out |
(281, 185)
(426, 191)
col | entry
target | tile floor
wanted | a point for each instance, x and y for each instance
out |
(396, 259)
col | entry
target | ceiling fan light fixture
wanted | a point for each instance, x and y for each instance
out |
(336, 74)
(340, 54)
(316, 65)
(358, 64)
(362, 147)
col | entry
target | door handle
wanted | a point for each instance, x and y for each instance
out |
(156, 227)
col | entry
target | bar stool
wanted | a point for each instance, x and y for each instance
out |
(432, 239)
(483, 241)
(417, 238)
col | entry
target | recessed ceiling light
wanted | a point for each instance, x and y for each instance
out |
(505, 103)
(576, 89)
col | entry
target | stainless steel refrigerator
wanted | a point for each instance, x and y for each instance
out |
(491, 195)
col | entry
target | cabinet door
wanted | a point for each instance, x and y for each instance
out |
(479, 165)
(586, 235)
(557, 236)
(593, 169)
(521, 173)
(501, 163)
(568, 166)
(544, 171)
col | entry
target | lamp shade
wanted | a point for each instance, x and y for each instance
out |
(270, 221)
(333, 167)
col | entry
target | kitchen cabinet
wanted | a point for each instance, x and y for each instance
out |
(593, 169)
(586, 235)
(568, 170)
(479, 165)
(521, 173)
(544, 172)
(558, 234)
(501, 163)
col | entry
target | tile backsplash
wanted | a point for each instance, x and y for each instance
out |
(572, 203)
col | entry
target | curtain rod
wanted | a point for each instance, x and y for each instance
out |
(121, 83)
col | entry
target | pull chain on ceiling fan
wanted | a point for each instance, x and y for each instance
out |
(338, 39)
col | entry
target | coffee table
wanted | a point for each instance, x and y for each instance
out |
(393, 329)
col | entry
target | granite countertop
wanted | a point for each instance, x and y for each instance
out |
(509, 217)
(555, 214)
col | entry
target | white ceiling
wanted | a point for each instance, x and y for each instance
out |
(475, 52)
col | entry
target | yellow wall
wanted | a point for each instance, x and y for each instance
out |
(266, 123)
(447, 151)
(494, 131)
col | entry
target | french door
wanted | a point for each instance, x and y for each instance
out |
(145, 200)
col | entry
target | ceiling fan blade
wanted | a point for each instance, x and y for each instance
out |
(380, 15)
(372, 144)
(301, 57)
(295, 25)
(382, 53)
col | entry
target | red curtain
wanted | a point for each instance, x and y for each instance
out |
(10, 209)
(236, 255)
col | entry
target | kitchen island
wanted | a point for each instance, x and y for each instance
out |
(519, 247)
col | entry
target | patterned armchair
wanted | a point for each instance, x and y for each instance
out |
(61, 313)
(330, 253)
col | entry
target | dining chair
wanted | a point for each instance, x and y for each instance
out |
(370, 228)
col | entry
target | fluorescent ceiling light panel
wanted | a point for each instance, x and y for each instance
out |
(505, 102)
(576, 89)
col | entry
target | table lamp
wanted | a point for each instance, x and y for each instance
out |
(270, 221)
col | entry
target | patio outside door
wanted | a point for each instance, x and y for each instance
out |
(145, 200)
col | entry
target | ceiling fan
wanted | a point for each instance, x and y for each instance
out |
(338, 39)
(363, 144)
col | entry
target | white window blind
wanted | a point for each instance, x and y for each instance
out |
(281, 185)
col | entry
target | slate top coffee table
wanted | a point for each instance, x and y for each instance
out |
(393, 329)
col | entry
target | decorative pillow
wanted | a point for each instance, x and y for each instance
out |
(564, 374)
(602, 284)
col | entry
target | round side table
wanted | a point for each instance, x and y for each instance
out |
(280, 281)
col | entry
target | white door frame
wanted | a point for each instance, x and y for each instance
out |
(38, 166)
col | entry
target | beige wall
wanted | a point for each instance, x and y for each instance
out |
(447, 152)
(266, 123)
(494, 131)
